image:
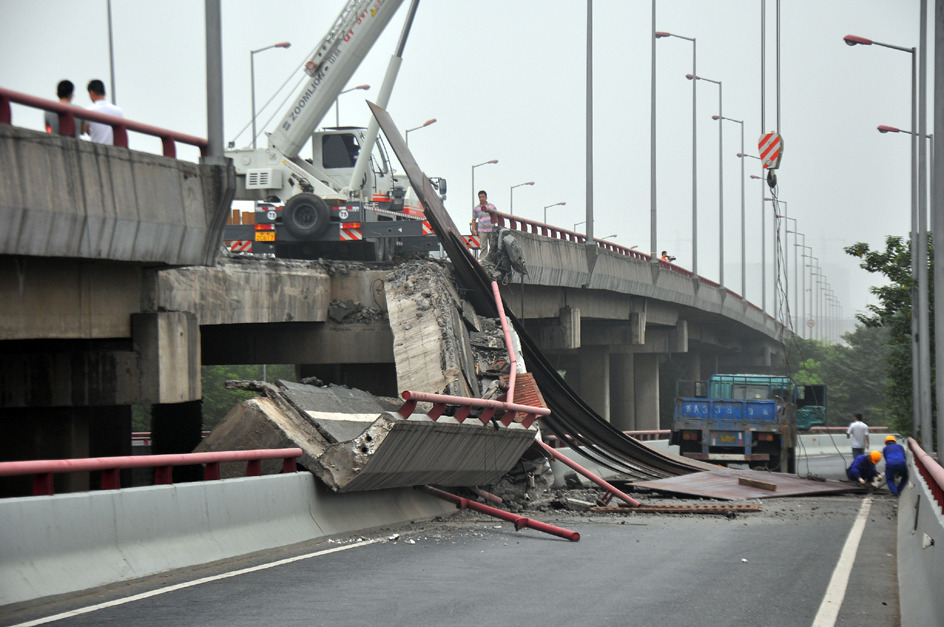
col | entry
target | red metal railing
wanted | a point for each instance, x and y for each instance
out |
(520, 521)
(43, 469)
(466, 405)
(611, 490)
(930, 471)
(516, 223)
(120, 126)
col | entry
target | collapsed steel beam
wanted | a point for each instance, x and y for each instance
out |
(520, 521)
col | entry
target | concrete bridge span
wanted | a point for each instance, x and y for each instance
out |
(113, 295)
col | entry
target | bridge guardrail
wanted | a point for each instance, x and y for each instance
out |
(930, 471)
(43, 469)
(120, 126)
(516, 223)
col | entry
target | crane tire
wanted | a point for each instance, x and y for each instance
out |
(306, 216)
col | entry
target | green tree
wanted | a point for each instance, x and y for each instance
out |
(893, 313)
(854, 373)
(218, 401)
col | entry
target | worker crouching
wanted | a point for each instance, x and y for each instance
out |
(863, 471)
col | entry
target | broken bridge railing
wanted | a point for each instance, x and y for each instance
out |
(110, 467)
(465, 405)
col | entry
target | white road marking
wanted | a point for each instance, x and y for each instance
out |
(190, 584)
(836, 591)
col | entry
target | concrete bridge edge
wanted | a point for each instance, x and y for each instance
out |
(60, 544)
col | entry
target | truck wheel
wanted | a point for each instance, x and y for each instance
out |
(305, 216)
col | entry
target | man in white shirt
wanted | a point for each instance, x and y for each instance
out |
(859, 432)
(98, 132)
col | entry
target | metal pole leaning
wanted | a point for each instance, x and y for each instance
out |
(520, 521)
(612, 491)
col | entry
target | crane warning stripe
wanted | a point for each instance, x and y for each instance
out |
(348, 235)
(427, 228)
(471, 241)
(769, 148)
(240, 246)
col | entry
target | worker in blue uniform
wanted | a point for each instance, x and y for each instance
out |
(896, 465)
(863, 468)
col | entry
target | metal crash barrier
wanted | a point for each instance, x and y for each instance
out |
(110, 467)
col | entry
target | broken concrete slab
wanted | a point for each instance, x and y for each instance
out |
(387, 451)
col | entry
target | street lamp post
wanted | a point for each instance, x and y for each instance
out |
(406, 134)
(659, 35)
(578, 224)
(801, 277)
(478, 165)
(511, 193)
(252, 81)
(796, 279)
(720, 179)
(775, 202)
(921, 371)
(556, 204)
(337, 114)
(763, 236)
(743, 231)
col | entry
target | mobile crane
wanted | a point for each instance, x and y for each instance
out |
(345, 202)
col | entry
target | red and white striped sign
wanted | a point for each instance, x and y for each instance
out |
(240, 246)
(771, 150)
(472, 241)
(427, 228)
(351, 234)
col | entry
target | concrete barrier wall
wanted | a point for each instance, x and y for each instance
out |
(65, 543)
(920, 552)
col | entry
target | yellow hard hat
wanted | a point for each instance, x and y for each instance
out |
(890, 438)
(876, 457)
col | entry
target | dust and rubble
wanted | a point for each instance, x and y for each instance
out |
(352, 440)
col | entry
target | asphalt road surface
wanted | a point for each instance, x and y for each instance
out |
(773, 567)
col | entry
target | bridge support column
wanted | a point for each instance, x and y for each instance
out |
(595, 378)
(691, 362)
(622, 392)
(178, 428)
(646, 378)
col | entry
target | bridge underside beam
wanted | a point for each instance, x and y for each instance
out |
(297, 343)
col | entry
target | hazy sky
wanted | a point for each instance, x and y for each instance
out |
(506, 80)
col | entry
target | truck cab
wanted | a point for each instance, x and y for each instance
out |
(745, 418)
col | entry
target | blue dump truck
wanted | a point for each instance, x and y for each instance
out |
(745, 419)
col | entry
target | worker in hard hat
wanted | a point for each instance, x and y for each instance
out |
(862, 470)
(896, 465)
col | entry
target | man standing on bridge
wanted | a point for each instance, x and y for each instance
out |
(98, 132)
(895, 465)
(482, 221)
(859, 432)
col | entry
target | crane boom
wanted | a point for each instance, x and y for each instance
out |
(336, 59)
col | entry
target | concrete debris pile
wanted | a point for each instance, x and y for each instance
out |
(440, 344)
(353, 440)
